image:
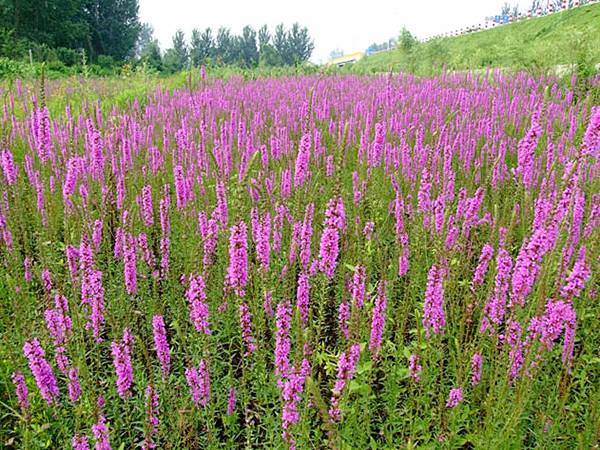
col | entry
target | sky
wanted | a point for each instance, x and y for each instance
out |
(348, 25)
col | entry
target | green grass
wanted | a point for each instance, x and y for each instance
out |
(569, 37)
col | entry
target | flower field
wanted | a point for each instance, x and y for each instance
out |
(340, 262)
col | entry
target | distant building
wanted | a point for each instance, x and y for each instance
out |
(347, 59)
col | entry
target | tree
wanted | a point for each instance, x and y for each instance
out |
(102, 27)
(177, 57)
(114, 27)
(145, 40)
(300, 45)
(202, 46)
(224, 49)
(147, 49)
(152, 56)
(280, 42)
(505, 10)
(406, 41)
(535, 4)
(248, 49)
(264, 38)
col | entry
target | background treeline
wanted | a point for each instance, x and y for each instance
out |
(61, 30)
(105, 37)
(250, 49)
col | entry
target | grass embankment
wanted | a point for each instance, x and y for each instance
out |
(569, 37)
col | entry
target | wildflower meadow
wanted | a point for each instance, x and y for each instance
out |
(319, 261)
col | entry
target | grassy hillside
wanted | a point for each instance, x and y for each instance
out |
(568, 37)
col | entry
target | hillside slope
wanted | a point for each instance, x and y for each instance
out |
(572, 36)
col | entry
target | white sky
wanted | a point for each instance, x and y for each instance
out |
(350, 25)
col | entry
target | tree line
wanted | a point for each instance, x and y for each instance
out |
(109, 33)
(64, 28)
(251, 48)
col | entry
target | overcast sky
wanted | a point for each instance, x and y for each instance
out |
(346, 24)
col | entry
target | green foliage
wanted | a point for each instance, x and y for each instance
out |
(569, 37)
(102, 27)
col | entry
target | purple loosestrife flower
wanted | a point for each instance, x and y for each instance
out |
(414, 368)
(42, 132)
(41, 370)
(378, 321)
(147, 211)
(424, 194)
(451, 234)
(434, 318)
(368, 230)
(515, 355)
(161, 346)
(80, 442)
(345, 372)
(73, 386)
(209, 230)
(343, 318)
(121, 352)
(476, 361)
(21, 390)
(165, 226)
(97, 234)
(303, 296)
(59, 324)
(335, 214)
(180, 187)
(100, 432)
(119, 243)
(454, 398)
(484, 259)
(358, 286)
(72, 254)
(527, 266)
(246, 327)
(328, 251)
(576, 280)
(199, 382)
(152, 413)
(93, 283)
(306, 236)
(222, 208)
(47, 279)
(291, 389)
(8, 167)
(27, 269)
(263, 242)
(196, 297)
(375, 151)
(301, 168)
(282, 339)
(130, 264)
(231, 401)
(591, 138)
(94, 149)
(237, 272)
(268, 303)
(68, 187)
(144, 247)
(493, 313)
(526, 152)
(558, 317)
